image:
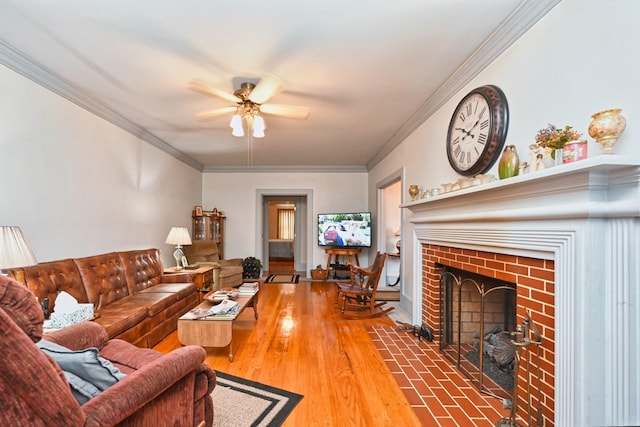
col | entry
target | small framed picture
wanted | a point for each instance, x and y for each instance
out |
(198, 210)
(184, 262)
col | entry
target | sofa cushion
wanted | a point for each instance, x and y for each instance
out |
(143, 268)
(48, 279)
(202, 251)
(181, 290)
(104, 278)
(119, 316)
(155, 302)
(88, 374)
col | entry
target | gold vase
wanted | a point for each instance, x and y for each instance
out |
(606, 127)
(414, 191)
(509, 162)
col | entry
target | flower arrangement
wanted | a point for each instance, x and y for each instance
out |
(554, 138)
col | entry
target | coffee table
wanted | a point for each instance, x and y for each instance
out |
(213, 331)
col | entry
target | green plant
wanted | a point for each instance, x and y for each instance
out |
(553, 138)
(251, 267)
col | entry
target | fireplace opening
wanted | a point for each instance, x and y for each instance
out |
(477, 316)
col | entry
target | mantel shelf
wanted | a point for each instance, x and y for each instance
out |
(572, 190)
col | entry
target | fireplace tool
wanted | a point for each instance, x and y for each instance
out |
(525, 336)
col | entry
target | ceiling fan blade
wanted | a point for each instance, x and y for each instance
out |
(207, 115)
(268, 86)
(290, 111)
(204, 89)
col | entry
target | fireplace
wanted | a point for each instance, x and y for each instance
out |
(534, 293)
(477, 319)
(568, 238)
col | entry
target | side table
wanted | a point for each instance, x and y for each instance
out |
(202, 277)
(336, 252)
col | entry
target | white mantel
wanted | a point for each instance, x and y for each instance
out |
(586, 217)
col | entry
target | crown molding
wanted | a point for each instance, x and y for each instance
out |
(22, 64)
(519, 22)
(285, 169)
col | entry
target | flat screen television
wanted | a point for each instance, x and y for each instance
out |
(348, 230)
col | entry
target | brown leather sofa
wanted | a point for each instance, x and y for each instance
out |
(227, 273)
(133, 300)
(172, 389)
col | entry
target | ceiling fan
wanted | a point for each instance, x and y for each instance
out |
(250, 103)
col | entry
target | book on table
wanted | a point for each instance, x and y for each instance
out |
(248, 288)
(226, 308)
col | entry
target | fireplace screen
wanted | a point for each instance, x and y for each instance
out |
(477, 316)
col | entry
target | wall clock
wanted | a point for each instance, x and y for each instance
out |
(478, 130)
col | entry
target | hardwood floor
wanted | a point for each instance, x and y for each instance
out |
(280, 266)
(302, 344)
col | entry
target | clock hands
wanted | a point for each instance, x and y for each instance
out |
(468, 132)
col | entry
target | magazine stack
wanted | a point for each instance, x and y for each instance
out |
(248, 289)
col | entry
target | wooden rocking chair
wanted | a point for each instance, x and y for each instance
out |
(353, 279)
(359, 297)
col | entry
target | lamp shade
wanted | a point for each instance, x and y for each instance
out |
(14, 249)
(178, 236)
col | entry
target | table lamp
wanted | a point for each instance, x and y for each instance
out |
(178, 236)
(14, 250)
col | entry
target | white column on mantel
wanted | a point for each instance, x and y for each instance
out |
(586, 217)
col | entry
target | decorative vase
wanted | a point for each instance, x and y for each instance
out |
(606, 127)
(557, 156)
(509, 162)
(414, 191)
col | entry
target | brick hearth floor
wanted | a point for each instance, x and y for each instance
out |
(438, 393)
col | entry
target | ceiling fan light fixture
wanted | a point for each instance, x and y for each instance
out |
(238, 130)
(236, 121)
(258, 133)
(258, 124)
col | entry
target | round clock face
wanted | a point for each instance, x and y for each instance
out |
(477, 131)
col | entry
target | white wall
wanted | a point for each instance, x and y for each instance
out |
(78, 185)
(235, 194)
(579, 59)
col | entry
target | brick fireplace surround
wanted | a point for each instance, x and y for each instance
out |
(534, 278)
(569, 237)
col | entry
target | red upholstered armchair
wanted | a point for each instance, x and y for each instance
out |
(158, 389)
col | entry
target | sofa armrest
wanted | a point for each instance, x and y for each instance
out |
(214, 264)
(231, 262)
(79, 336)
(142, 386)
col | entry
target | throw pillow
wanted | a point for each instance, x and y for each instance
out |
(88, 374)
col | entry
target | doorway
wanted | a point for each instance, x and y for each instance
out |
(389, 230)
(282, 236)
(279, 245)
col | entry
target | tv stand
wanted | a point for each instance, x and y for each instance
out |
(336, 253)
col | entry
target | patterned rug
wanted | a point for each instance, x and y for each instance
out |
(283, 278)
(243, 403)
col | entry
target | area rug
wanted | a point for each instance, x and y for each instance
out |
(242, 403)
(283, 278)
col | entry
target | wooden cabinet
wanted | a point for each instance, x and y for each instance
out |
(210, 226)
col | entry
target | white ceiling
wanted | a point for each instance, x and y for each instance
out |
(370, 71)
